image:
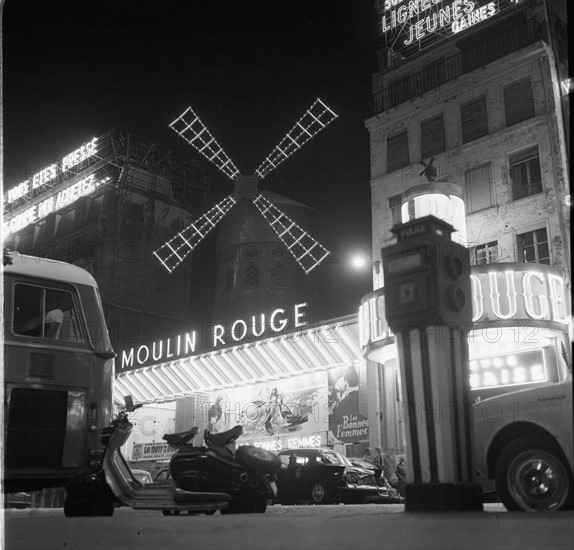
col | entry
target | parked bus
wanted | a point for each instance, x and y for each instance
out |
(58, 372)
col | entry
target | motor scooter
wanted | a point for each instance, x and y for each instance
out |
(246, 474)
(206, 479)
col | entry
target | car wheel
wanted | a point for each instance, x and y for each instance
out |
(319, 494)
(531, 476)
(257, 459)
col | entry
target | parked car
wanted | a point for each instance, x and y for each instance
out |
(143, 476)
(17, 500)
(523, 440)
(323, 476)
(370, 467)
(162, 476)
(377, 473)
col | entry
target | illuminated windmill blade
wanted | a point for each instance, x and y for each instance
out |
(305, 249)
(317, 117)
(174, 251)
(189, 126)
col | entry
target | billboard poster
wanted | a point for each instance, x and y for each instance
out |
(348, 412)
(290, 406)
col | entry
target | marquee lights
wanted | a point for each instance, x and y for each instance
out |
(511, 369)
(50, 173)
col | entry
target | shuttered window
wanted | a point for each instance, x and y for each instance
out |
(518, 101)
(478, 188)
(474, 120)
(397, 151)
(432, 137)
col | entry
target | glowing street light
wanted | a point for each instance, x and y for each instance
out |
(360, 261)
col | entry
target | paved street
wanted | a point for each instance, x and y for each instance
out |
(362, 527)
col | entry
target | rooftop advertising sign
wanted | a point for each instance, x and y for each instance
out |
(410, 25)
(50, 189)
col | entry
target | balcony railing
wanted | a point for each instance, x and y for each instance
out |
(496, 47)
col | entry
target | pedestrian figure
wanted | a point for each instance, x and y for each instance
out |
(368, 455)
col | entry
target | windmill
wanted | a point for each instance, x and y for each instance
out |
(307, 252)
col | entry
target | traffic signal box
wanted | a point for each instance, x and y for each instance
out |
(426, 277)
(429, 308)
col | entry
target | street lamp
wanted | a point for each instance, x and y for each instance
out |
(359, 261)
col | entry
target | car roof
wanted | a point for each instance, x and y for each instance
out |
(305, 450)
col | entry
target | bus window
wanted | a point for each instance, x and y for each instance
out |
(45, 313)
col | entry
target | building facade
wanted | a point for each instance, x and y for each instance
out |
(106, 207)
(470, 97)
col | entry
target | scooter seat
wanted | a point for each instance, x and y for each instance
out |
(223, 438)
(179, 439)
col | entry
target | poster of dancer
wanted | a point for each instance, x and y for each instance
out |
(281, 407)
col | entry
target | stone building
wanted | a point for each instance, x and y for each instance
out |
(473, 97)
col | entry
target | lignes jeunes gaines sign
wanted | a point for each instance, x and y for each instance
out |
(410, 25)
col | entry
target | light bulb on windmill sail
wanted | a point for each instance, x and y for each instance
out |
(307, 252)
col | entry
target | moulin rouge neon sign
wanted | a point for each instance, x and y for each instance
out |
(240, 331)
(416, 20)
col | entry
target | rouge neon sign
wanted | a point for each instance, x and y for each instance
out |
(507, 292)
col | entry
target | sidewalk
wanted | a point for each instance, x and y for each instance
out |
(360, 527)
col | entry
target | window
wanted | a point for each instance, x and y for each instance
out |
(474, 120)
(395, 203)
(486, 253)
(432, 137)
(518, 101)
(525, 173)
(45, 313)
(533, 247)
(478, 188)
(252, 276)
(397, 151)
(279, 276)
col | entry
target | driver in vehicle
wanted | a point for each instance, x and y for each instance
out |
(52, 324)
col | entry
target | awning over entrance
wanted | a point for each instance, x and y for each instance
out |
(319, 348)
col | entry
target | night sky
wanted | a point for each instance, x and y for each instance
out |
(73, 70)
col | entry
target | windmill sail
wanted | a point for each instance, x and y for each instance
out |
(305, 249)
(315, 119)
(174, 251)
(189, 126)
